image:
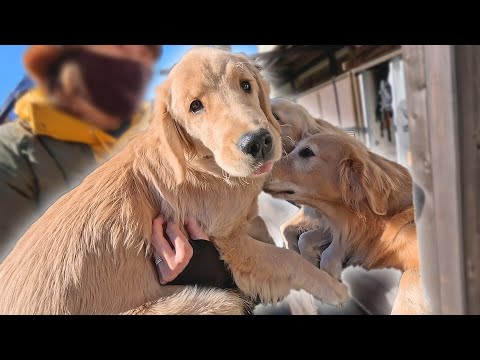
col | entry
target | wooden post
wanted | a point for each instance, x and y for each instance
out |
(467, 59)
(443, 89)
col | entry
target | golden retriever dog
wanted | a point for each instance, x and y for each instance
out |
(205, 155)
(296, 123)
(366, 203)
(300, 231)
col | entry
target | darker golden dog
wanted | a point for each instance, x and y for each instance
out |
(366, 204)
(299, 231)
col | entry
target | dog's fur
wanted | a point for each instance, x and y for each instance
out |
(366, 203)
(90, 253)
(296, 123)
(300, 231)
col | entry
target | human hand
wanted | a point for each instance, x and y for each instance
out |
(171, 257)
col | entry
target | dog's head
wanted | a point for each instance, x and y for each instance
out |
(217, 104)
(331, 168)
(297, 123)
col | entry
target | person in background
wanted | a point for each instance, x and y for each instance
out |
(85, 98)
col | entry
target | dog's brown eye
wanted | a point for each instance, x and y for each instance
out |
(276, 116)
(196, 106)
(306, 152)
(246, 86)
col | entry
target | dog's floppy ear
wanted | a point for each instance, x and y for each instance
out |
(360, 179)
(322, 126)
(306, 133)
(264, 94)
(171, 137)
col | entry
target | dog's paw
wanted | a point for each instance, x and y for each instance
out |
(330, 291)
(338, 295)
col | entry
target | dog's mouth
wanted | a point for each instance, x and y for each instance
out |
(278, 192)
(264, 168)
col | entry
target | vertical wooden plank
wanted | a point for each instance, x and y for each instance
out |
(445, 154)
(467, 60)
(310, 102)
(346, 102)
(328, 102)
(356, 98)
(414, 57)
(431, 96)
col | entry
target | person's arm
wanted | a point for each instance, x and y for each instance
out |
(17, 190)
(182, 261)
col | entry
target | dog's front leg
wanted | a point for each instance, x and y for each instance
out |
(258, 230)
(270, 272)
(331, 259)
(311, 242)
(291, 230)
(410, 299)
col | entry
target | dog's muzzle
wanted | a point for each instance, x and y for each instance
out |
(258, 144)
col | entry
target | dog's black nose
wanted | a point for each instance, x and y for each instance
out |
(257, 143)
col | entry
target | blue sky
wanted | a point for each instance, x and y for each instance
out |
(12, 71)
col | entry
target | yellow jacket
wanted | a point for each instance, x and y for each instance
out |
(43, 155)
(44, 119)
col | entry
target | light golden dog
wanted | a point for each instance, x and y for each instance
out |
(205, 155)
(366, 204)
(296, 123)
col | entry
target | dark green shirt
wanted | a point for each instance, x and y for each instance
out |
(34, 172)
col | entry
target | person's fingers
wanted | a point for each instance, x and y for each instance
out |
(183, 249)
(173, 231)
(160, 218)
(161, 245)
(165, 273)
(159, 221)
(175, 260)
(194, 230)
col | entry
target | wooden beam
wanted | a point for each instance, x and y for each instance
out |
(332, 62)
(369, 64)
(295, 49)
(360, 56)
(328, 54)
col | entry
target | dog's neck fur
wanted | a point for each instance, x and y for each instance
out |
(203, 177)
(362, 233)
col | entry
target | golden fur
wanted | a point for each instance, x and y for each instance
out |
(194, 301)
(90, 253)
(366, 205)
(297, 123)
